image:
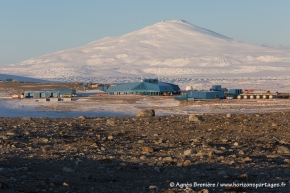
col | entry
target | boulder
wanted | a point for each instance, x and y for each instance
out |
(146, 113)
(189, 152)
(147, 149)
(186, 163)
(195, 118)
(283, 150)
(26, 118)
(82, 117)
(110, 122)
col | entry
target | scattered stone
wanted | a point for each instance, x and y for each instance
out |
(231, 162)
(82, 117)
(143, 157)
(194, 118)
(228, 115)
(272, 156)
(26, 133)
(26, 119)
(283, 150)
(186, 163)
(153, 187)
(141, 141)
(203, 191)
(168, 159)
(65, 184)
(247, 159)
(147, 149)
(221, 157)
(98, 136)
(146, 113)
(189, 152)
(287, 161)
(44, 140)
(205, 153)
(223, 148)
(66, 169)
(10, 134)
(110, 122)
(243, 177)
(169, 191)
(110, 137)
(179, 164)
(241, 152)
(236, 144)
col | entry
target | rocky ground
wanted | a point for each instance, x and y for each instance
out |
(146, 154)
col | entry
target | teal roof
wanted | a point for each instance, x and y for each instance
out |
(61, 91)
(144, 87)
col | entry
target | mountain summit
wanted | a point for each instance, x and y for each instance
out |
(191, 27)
(170, 48)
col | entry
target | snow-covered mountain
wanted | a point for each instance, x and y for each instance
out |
(170, 48)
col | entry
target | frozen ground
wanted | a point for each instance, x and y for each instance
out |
(130, 106)
(82, 106)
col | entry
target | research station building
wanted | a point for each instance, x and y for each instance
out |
(49, 93)
(146, 87)
(216, 92)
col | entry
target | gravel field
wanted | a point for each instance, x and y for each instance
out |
(146, 154)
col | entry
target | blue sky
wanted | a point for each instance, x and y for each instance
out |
(33, 28)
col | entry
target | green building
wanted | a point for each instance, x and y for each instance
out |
(49, 93)
(147, 87)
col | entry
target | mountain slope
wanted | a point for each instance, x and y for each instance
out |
(170, 48)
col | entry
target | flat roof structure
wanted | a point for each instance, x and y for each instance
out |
(49, 93)
(205, 94)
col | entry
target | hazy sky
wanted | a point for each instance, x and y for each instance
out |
(32, 28)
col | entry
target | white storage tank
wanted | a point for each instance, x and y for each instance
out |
(252, 96)
(245, 96)
(264, 96)
(270, 96)
(239, 97)
(189, 88)
(258, 97)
